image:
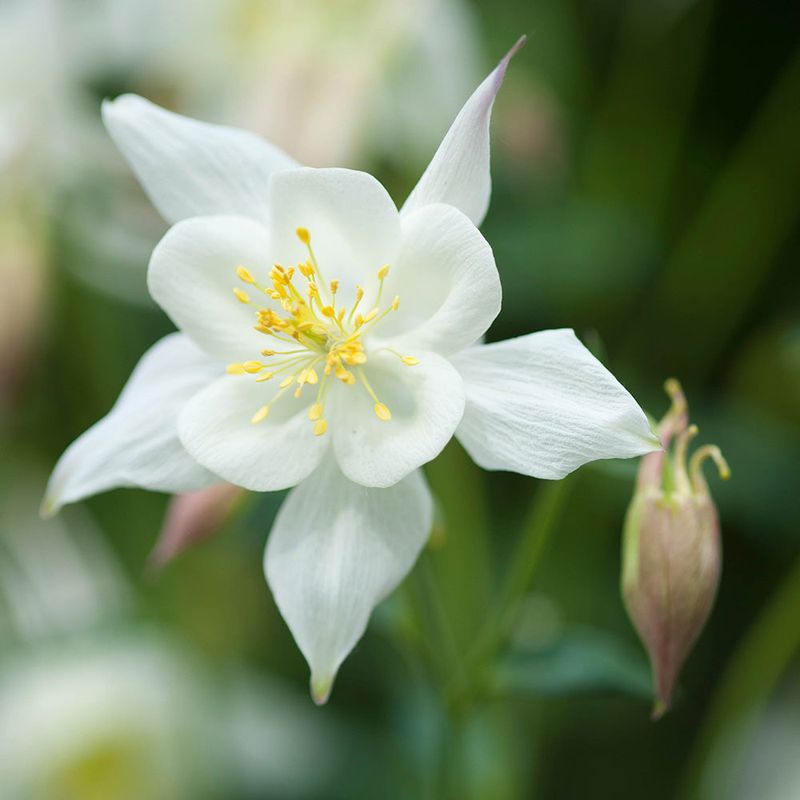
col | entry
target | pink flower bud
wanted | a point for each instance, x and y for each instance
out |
(193, 517)
(672, 554)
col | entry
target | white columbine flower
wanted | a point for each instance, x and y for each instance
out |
(328, 343)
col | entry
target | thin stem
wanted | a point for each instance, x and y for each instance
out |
(541, 521)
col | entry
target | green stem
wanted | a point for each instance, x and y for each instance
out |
(753, 672)
(541, 521)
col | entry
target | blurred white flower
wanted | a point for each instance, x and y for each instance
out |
(91, 714)
(382, 355)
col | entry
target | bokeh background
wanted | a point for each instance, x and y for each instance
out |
(646, 165)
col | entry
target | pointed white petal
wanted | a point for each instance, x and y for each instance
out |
(215, 427)
(192, 275)
(542, 405)
(136, 444)
(354, 225)
(190, 168)
(335, 551)
(447, 282)
(426, 402)
(459, 171)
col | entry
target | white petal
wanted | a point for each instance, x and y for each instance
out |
(335, 551)
(136, 444)
(354, 225)
(216, 428)
(542, 405)
(459, 171)
(446, 280)
(192, 275)
(426, 402)
(190, 168)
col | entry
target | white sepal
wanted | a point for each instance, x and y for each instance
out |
(542, 405)
(190, 168)
(136, 443)
(459, 172)
(335, 551)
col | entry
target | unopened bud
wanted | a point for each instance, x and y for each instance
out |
(671, 550)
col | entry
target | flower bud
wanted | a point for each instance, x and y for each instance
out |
(192, 518)
(671, 556)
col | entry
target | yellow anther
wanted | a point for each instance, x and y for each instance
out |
(359, 293)
(359, 320)
(252, 366)
(334, 287)
(312, 290)
(267, 352)
(303, 235)
(235, 369)
(345, 376)
(320, 426)
(315, 412)
(260, 415)
(328, 311)
(383, 272)
(264, 376)
(409, 361)
(396, 303)
(312, 377)
(382, 412)
(306, 269)
(245, 275)
(287, 382)
(340, 315)
(355, 358)
(241, 296)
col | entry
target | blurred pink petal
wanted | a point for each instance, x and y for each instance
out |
(192, 518)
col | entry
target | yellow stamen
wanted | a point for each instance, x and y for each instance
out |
(235, 369)
(265, 376)
(382, 412)
(303, 235)
(252, 366)
(245, 275)
(241, 296)
(383, 272)
(315, 412)
(320, 426)
(260, 415)
(409, 361)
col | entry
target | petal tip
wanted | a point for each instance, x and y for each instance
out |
(321, 689)
(49, 507)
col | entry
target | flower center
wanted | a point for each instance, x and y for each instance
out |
(325, 336)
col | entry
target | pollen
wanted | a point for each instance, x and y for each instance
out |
(382, 412)
(260, 415)
(245, 275)
(315, 335)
